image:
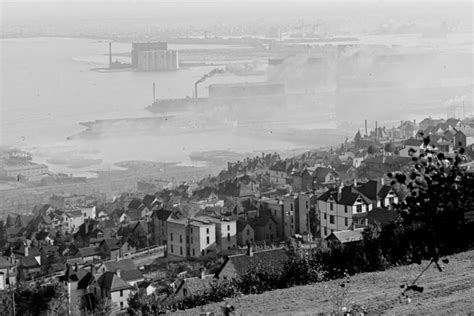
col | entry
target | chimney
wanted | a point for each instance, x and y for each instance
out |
(27, 248)
(196, 90)
(154, 96)
(110, 54)
(117, 272)
(382, 181)
(376, 131)
(203, 272)
(249, 250)
(355, 182)
(365, 127)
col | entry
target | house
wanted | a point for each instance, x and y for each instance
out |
(29, 267)
(88, 230)
(377, 216)
(265, 227)
(151, 201)
(194, 286)
(110, 248)
(385, 164)
(245, 233)
(275, 208)
(280, 172)
(79, 282)
(191, 238)
(128, 270)
(236, 265)
(72, 220)
(226, 232)
(307, 202)
(324, 176)
(337, 207)
(412, 147)
(302, 181)
(207, 197)
(114, 288)
(7, 273)
(342, 237)
(159, 226)
(66, 201)
(89, 254)
(119, 215)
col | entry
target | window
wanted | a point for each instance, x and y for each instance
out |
(121, 293)
(194, 252)
(248, 232)
(325, 216)
(345, 208)
(291, 207)
(207, 239)
(181, 250)
(207, 230)
(228, 227)
(359, 208)
(172, 249)
(171, 236)
(346, 221)
(121, 305)
(325, 231)
(180, 238)
(228, 236)
(307, 205)
(191, 230)
(331, 206)
(185, 292)
(331, 219)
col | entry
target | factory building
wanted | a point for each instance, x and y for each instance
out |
(154, 56)
(157, 60)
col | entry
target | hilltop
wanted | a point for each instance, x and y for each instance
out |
(447, 292)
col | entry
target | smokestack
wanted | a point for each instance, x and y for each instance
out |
(376, 131)
(154, 97)
(196, 90)
(365, 127)
(110, 54)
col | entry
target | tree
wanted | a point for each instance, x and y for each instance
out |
(371, 150)
(388, 147)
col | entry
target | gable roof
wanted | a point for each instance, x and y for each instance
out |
(413, 142)
(346, 236)
(276, 258)
(112, 282)
(4, 263)
(163, 214)
(241, 225)
(348, 195)
(196, 284)
(29, 262)
(123, 265)
(112, 243)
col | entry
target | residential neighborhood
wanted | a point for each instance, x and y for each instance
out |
(217, 227)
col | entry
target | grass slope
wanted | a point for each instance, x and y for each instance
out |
(447, 292)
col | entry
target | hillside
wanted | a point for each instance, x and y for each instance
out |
(447, 292)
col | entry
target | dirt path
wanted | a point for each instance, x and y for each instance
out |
(447, 292)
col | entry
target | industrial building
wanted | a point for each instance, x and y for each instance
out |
(153, 57)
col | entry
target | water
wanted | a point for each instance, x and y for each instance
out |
(48, 88)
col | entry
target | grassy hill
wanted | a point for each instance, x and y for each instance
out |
(447, 292)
